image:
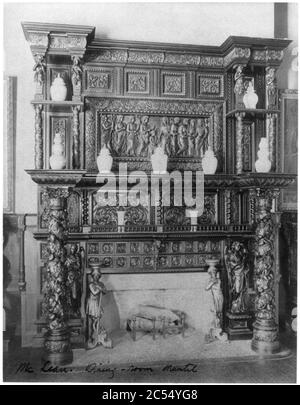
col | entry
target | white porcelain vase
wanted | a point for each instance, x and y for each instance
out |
(263, 163)
(209, 162)
(58, 90)
(159, 161)
(104, 160)
(250, 98)
(57, 159)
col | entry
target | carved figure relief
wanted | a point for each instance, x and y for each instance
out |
(139, 135)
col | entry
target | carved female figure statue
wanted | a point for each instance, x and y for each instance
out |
(191, 137)
(238, 78)
(119, 131)
(182, 137)
(74, 280)
(144, 136)
(237, 270)
(132, 129)
(94, 311)
(165, 135)
(214, 285)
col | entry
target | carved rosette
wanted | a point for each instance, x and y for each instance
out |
(76, 133)
(265, 329)
(38, 156)
(239, 142)
(57, 343)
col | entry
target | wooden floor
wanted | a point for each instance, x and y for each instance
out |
(272, 371)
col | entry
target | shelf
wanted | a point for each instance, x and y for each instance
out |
(58, 103)
(253, 112)
(214, 181)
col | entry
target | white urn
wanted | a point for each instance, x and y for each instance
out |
(104, 160)
(250, 98)
(57, 159)
(263, 163)
(159, 161)
(58, 89)
(209, 162)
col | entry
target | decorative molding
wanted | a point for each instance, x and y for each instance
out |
(147, 57)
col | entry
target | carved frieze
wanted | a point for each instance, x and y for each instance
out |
(108, 55)
(236, 54)
(125, 105)
(267, 55)
(145, 57)
(210, 85)
(67, 41)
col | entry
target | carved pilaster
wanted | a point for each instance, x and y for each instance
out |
(76, 136)
(271, 88)
(57, 340)
(38, 156)
(76, 77)
(239, 142)
(271, 136)
(90, 141)
(265, 328)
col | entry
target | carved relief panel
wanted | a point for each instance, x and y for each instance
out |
(137, 82)
(133, 129)
(99, 80)
(173, 84)
(210, 85)
(152, 256)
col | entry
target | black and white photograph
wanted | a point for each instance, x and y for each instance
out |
(150, 159)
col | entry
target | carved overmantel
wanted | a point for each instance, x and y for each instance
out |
(132, 97)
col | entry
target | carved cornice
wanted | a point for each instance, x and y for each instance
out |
(58, 38)
(237, 55)
(56, 177)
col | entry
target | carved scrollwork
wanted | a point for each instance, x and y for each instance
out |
(54, 303)
(136, 216)
(105, 216)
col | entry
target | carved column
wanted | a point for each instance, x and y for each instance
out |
(271, 136)
(38, 156)
(76, 77)
(239, 142)
(265, 329)
(76, 134)
(271, 88)
(57, 340)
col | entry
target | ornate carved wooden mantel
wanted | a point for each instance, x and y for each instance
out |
(129, 96)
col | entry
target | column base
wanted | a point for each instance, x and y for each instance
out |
(57, 347)
(239, 326)
(265, 338)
